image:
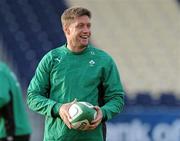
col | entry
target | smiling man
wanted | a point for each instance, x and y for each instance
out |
(77, 30)
(76, 70)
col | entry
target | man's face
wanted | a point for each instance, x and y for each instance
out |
(78, 32)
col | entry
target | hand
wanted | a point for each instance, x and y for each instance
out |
(64, 114)
(96, 121)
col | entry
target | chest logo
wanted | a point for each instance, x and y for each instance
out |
(58, 60)
(92, 63)
(92, 53)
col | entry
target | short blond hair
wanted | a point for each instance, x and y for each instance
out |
(71, 13)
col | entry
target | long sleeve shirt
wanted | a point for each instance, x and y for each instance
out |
(62, 76)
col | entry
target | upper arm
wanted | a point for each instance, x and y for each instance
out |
(113, 91)
(4, 90)
(40, 82)
(39, 88)
(112, 82)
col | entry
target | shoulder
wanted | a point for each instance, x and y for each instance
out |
(50, 58)
(3, 65)
(57, 51)
(5, 72)
(4, 68)
(54, 53)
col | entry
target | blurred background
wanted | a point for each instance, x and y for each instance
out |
(143, 37)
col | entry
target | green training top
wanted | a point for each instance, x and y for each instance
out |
(62, 76)
(10, 92)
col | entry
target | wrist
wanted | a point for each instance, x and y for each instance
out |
(56, 109)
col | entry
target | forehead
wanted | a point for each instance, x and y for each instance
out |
(82, 19)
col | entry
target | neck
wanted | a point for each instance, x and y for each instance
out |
(75, 48)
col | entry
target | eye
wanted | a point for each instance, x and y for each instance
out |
(80, 25)
(89, 25)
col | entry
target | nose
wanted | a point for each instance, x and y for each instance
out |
(86, 29)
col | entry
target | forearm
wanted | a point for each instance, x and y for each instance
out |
(113, 107)
(42, 105)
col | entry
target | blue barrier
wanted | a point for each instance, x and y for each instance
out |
(145, 124)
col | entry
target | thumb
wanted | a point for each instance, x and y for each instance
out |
(74, 101)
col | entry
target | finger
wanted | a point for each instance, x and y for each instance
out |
(99, 115)
(66, 121)
(83, 128)
(74, 101)
(68, 115)
(95, 123)
(92, 126)
(98, 119)
(97, 108)
(65, 118)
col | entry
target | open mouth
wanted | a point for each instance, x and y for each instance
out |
(84, 36)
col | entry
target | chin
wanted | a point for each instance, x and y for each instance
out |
(83, 45)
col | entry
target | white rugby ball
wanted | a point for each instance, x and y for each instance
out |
(81, 113)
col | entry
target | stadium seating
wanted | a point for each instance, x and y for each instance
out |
(168, 99)
(30, 29)
(144, 98)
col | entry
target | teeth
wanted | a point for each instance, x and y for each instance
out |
(84, 37)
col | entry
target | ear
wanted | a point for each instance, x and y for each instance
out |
(66, 29)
